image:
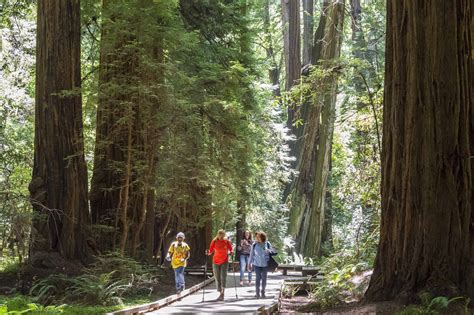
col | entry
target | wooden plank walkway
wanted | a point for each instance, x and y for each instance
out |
(246, 303)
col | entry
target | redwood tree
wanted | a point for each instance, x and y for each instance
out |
(59, 182)
(292, 54)
(131, 94)
(308, 191)
(426, 229)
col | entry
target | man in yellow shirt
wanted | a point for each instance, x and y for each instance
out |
(178, 254)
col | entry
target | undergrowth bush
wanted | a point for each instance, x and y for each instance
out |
(25, 305)
(9, 265)
(98, 285)
(340, 283)
(433, 305)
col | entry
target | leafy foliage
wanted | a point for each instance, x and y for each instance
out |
(433, 305)
(345, 279)
(17, 32)
(98, 285)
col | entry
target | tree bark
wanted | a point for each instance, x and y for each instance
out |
(59, 182)
(307, 200)
(291, 42)
(292, 54)
(427, 186)
(308, 24)
(128, 135)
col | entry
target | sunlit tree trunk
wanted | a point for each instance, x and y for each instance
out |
(292, 55)
(59, 182)
(291, 41)
(426, 224)
(307, 200)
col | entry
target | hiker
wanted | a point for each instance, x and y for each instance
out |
(259, 257)
(178, 254)
(221, 247)
(244, 250)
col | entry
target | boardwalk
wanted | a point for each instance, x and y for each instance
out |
(245, 304)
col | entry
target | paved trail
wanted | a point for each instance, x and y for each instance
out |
(245, 304)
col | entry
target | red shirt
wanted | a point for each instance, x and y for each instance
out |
(221, 248)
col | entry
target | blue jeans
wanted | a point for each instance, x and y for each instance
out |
(244, 262)
(179, 278)
(260, 276)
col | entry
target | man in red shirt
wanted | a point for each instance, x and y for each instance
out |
(221, 247)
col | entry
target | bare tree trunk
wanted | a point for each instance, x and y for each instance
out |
(291, 41)
(126, 193)
(427, 190)
(59, 182)
(326, 238)
(308, 24)
(292, 53)
(307, 200)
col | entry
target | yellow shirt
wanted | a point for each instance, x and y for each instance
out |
(178, 253)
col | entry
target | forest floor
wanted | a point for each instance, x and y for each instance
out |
(303, 304)
(16, 283)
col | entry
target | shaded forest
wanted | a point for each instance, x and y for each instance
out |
(344, 129)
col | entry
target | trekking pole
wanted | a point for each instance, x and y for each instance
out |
(205, 278)
(235, 282)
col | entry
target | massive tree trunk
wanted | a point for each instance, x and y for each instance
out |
(427, 178)
(308, 10)
(59, 182)
(308, 193)
(291, 42)
(292, 54)
(127, 136)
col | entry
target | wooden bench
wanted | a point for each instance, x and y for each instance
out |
(198, 270)
(309, 270)
(303, 283)
(284, 268)
(305, 270)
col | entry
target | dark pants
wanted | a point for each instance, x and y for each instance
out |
(260, 275)
(220, 274)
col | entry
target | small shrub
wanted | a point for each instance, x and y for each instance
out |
(97, 290)
(338, 287)
(88, 289)
(9, 266)
(15, 303)
(430, 305)
(289, 290)
(50, 289)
